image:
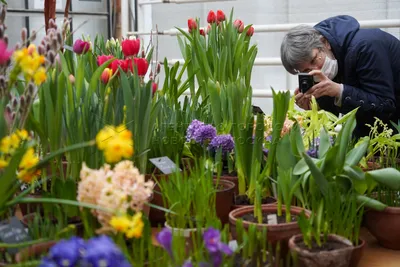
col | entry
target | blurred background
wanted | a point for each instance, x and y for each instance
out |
(116, 18)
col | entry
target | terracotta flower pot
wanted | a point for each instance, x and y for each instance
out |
(224, 199)
(358, 252)
(276, 233)
(233, 179)
(336, 252)
(384, 226)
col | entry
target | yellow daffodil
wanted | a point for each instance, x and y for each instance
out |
(31, 63)
(132, 227)
(120, 223)
(3, 164)
(28, 161)
(116, 142)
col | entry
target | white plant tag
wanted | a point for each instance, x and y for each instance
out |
(272, 219)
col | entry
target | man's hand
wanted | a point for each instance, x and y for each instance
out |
(302, 100)
(324, 87)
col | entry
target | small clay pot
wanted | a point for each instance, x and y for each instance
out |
(384, 226)
(233, 179)
(357, 254)
(278, 233)
(224, 200)
(334, 258)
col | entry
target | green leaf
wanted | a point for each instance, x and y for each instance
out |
(302, 167)
(324, 143)
(389, 177)
(371, 203)
(319, 178)
(357, 153)
(344, 139)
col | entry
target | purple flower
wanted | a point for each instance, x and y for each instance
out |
(187, 263)
(194, 125)
(212, 241)
(81, 47)
(204, 134)
(67, 252)
(268, 138)
(224, 141)
(312, 153)
(102, 252)
(265, 151)
(164, 238)
(47, 263)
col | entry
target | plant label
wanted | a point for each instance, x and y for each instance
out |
(272, 219)
(165, 165)
(13, 232)
(257, 109)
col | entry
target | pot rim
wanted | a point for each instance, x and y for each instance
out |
(388, 209)
(248, 209)
(294, 247)
(228, 185)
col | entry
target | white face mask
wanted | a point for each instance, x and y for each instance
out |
(330, 67)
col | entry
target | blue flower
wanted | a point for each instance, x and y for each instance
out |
(224, 141)
(312, 153)
(164, 238)
(194, 125)
(102, 252)
(66, 253)
(204, 134)
(47, 263)
(212, 242)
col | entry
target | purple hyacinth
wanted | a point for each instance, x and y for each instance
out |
(194, 125)
(101, 251)
(67, 252)
(224, 141)
(164, 238)
(312, 153)
(204, 134)
(268, 138)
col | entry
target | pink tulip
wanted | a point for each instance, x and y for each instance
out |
(130, 47)
(81, 47)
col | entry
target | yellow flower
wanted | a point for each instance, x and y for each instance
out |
(130, 226)
(28, 161)
(23, 134)
(3, 164)
(116, 142)
(120, 223)
(136, 228)
(40, 76)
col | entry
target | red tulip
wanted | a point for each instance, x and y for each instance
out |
(141, 65)
(250, 31)
(130, 47)
(239, 25)
(119, 63)
(106, 75)
(211, 18)
(192, 25)
(220, 15)
(202, 32)
(103, 58)
(81, 47)
(154, 88)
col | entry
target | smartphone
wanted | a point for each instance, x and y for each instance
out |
(306, 81)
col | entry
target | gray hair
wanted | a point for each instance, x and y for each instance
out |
(297, 46)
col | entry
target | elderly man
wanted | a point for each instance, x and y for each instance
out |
(353, 68)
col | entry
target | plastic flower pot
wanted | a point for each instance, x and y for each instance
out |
(186, 233)
(384, 226)
(224, 199)
(336, 252)
(276, 233)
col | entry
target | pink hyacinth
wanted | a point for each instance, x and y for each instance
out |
(4, 53)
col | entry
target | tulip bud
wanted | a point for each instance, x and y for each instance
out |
(112, 42)
(250, 31)
(154, 88)
(239, 25)
(158, 68)
(211, 18)
(202, 32)
(220, 15)
(106, 75)
(130, 47)
(192, 25)
(208, 28)
(71, 78)
(81, 47)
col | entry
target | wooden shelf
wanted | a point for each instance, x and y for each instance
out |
(376, 255)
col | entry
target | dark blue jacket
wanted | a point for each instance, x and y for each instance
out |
(369, 69)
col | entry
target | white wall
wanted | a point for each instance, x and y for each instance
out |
(168, 16)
